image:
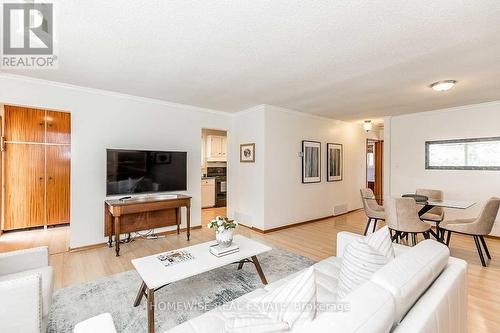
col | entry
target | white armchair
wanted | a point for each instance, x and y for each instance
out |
(26, 285)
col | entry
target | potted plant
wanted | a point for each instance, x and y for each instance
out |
(224, 229)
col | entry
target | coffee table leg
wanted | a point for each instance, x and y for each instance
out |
(259, 269)
(138, 298)
(151, 309)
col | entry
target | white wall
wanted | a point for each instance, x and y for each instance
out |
(246, 180)
(103, 120)
(406, 146)
(271, 191)
(287, 199)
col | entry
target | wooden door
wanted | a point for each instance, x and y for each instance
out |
(24, 186)
(24, 124)
(58, 184)
(58, 127)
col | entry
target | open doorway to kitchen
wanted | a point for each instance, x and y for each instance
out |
(374, 167)
(214, 155)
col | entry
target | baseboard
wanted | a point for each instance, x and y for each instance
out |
(492, 237)
(97, 245)
(266, 231)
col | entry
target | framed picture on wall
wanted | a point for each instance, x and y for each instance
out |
(247, 153)
(334, 162)
(311, 162)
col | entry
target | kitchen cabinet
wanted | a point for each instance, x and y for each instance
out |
(207, 192)
(216, 148)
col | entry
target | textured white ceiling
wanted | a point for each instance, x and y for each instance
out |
(348, 59)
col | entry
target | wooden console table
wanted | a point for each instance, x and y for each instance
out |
(136, 214)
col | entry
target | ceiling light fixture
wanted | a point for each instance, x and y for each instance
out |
(368, 125)
(443, 85)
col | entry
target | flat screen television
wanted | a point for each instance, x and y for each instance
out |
(142, 171)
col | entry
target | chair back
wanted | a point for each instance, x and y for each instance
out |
(401, 215)
(369, 202)
(486, 220)
(432, 195)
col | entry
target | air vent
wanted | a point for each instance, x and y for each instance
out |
(340, 209)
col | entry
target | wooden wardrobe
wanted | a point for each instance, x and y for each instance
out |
(36, 153)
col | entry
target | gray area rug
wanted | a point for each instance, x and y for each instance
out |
(115, 294)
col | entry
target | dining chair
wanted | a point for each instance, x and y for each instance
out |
(402, 219)
(436, 214)
(475, 227)
(373, 210)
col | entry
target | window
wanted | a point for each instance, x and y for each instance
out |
(463, 154)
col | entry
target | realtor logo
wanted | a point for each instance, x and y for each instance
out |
(28, 38)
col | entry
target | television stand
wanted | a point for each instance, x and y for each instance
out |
(143, 213)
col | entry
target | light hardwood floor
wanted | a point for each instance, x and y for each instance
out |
(314, 240)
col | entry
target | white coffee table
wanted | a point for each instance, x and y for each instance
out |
(155, 275)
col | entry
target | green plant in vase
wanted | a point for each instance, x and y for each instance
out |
(224, 230)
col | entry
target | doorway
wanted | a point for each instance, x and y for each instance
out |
(374, 167)
(214, 155)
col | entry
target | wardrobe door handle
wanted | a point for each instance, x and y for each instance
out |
(50, 178)
(40, 178)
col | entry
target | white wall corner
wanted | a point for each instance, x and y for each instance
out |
(387, 157)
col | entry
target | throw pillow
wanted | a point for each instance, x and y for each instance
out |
(362, 258)
(293, 302)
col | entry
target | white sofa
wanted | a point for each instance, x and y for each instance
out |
(421, 290)
(26, 286)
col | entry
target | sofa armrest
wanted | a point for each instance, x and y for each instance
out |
(22, 297)
(23, 260)
(102, 323)
(344, 238)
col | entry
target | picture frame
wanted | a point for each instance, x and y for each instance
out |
(334, 162)
(311, 162)
(247, 153)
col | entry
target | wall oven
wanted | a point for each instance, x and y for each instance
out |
(219, 173)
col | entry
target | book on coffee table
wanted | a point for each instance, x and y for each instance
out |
(174, 257)
(219, 251)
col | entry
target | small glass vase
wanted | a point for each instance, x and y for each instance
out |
(224, 238)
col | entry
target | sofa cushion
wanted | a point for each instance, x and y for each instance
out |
(369, 308)
(46, 274)
(411, 273)
(362, 258)
(252, 321)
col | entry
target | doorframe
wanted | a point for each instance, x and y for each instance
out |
(381, 142)
(228, 155)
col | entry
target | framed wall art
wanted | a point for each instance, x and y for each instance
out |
(247, 153)
(334, 162)
(311, 162)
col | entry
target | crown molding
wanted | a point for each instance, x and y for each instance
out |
(109, 93)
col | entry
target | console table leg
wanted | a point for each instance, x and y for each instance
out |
(151, 309)
(141, 292)
(188, 221)
(178, 219)
(117, 235)
(110, 240)
(259, 269)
